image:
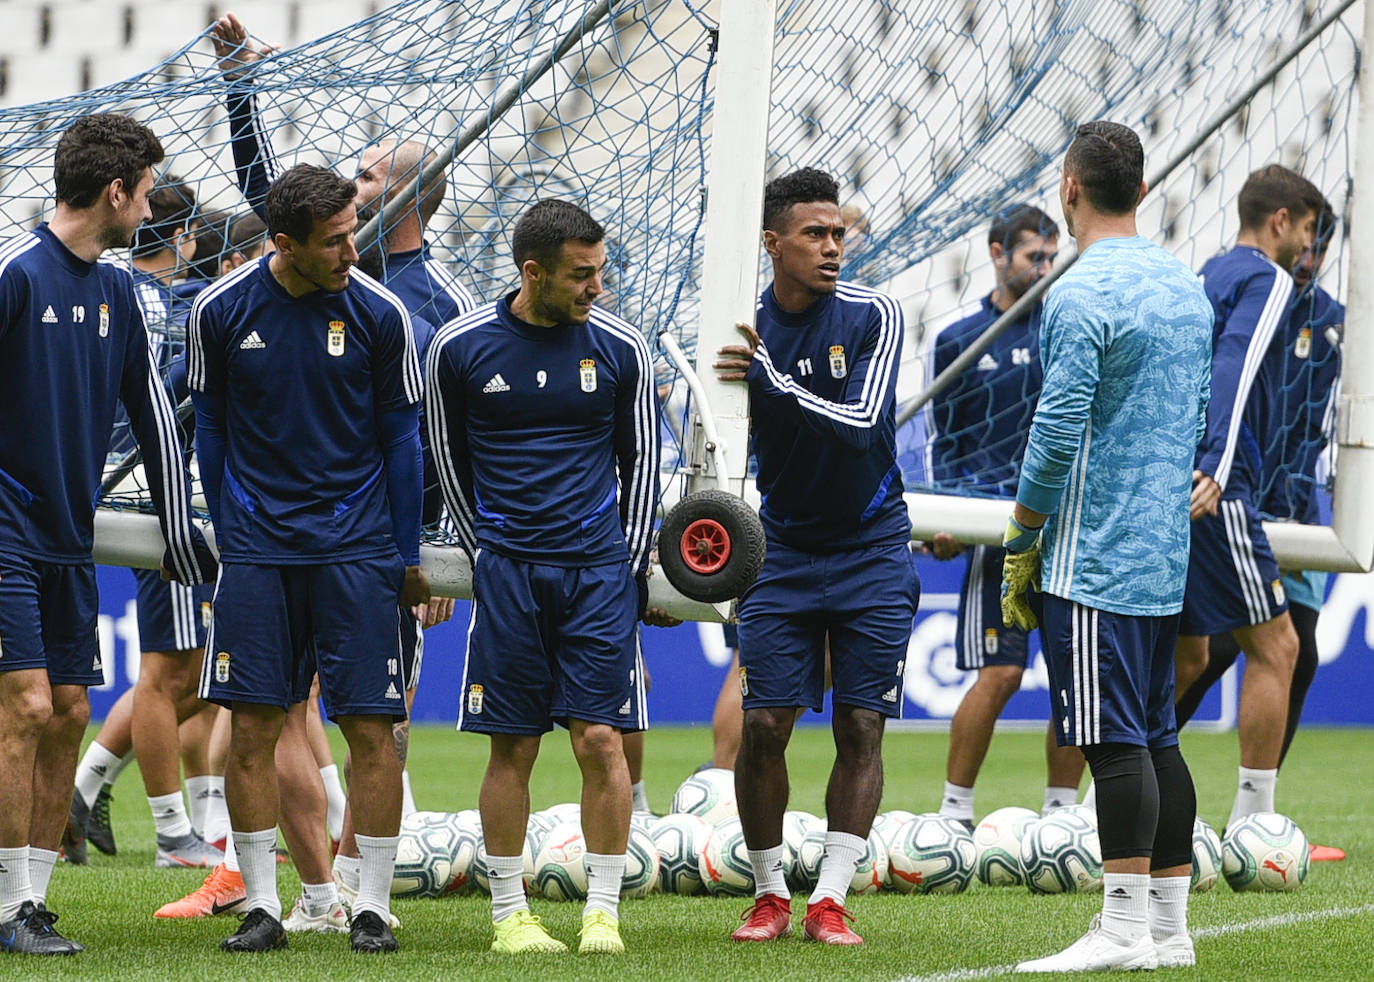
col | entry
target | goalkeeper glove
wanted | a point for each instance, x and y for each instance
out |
(1020, 568)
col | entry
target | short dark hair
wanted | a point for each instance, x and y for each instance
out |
(546, 225)
(209, 244)
(244, 230)
(97, 150)
(173, 204)
(1271, 188)
(304, 195)
(1109, 162)
(797, 188)
(1007, 227)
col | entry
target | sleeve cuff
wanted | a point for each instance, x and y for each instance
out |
(1038, 497)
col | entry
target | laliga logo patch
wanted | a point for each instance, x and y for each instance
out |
(990, 641)
(1279, 595)
(104, 320)
(207, 615)
(222, 667)
(335, 345)
(588, 373)
(837, 365)
(1303, 347)
(475, 694)
(743, 681)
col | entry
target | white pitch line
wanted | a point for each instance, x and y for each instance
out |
(1216, 931)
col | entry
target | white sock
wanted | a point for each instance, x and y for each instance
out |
(231, 855)
(376, 864)
(347, 869)
(842, 855)
(1255, 793)
(407, 796)
(169, 815)
(320, 898)
(117, 768)
(216, 810)
(1090, 797)
(334, 791)
(1169, 906)
(957, 802)
(769, 877)
(198, 802)
(41, 863)
(507, 885)
(257, 855)
(1057, 798)
(15, 885)
(604, 877)
(640, 796)
(93, 771)
(1126, 906)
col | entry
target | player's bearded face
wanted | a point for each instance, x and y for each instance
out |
(326, 257)
(809, 247)
(1030, 259)
(566, 293)
(132, 211)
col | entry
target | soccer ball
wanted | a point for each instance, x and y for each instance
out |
(425, 855)
(1086, 812)
(1060, 853)
(468, 826)
(794, 828)
(871, 875)
(889, 825)
(568, 811)
(680, 841)
(559, 870)
(641, 864)
(806, 865)
(998, 841)
(725, 869)
(1206, 857)
(644, 821)
(933, 854)
(1265, 851)
(709, 793)
(480, 877)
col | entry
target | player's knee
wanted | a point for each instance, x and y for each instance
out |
(71, 708)
(767, 730)
(597, 745)
(858, 732)
(1000, 682)
(30, 708)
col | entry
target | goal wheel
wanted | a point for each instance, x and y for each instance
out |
(711, 546)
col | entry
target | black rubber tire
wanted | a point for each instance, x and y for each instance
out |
(746, 546)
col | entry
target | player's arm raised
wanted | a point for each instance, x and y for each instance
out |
(188, 557)
(637, 453)
(446, 415)
(255, 166)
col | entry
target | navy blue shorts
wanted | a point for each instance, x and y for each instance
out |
(549, 644)
(276, 626)
(1233, 578)
(862, 600)
(48, 618)
(1111, 675)
(171, 617)
(412, 649)
(980, 638)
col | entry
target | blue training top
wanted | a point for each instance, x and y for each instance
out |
(1126, 346)
(976, 428)
(1252, 297)
(72, 347)
(823, 387)
(1304, 406)
(546, 438)
(305, 392)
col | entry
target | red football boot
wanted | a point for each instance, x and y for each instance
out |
(769, 918)
(825, 922)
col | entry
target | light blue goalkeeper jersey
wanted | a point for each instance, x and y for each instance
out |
(1126, 344)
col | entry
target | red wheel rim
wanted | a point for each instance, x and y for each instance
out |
(705, 546)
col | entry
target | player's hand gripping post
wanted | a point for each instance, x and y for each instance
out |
(734, 359)
(415, 590)
(1019, 570)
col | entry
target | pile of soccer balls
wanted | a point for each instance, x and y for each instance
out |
(699, 848)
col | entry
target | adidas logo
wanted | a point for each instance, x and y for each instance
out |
(1119, 894)
(392, 692)
(251, 342)
(95, 664)
(625, 709)
(1246, 786)
(987, 363)
(497, 384)
(890, 695)
(49, 316)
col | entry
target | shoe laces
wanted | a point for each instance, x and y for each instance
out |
(832, 914)
(764, 906)
(100, 811)
(41, 919)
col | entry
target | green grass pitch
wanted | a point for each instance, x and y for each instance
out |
(1323, 931)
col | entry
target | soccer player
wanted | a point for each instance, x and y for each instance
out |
(976, 433)
(1104, 492)
(1290, 459)
(1233, 579)
(544, 421)
(307, 385)
(172, 619)
(72, 347)
(822, 374)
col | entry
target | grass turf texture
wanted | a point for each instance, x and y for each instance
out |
(1325, 788)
